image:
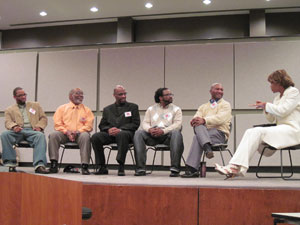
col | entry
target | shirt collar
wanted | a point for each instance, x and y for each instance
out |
(214, 100)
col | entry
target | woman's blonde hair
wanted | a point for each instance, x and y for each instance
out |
(282, 78)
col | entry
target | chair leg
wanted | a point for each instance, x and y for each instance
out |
(281, 167)
(108, 156)
(153, 161)
(220, 150)
(133, 161)
(62, 155)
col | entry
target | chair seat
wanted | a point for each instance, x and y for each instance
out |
(23, 144)
(218, 147)
(161, 147)
(70, 145)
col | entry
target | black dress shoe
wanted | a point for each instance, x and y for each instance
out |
(85, 169)
(121, 171)
(53, 167)
(190, 174)
(42, 170)
(140, 173)
(102, 171)
(174, 174)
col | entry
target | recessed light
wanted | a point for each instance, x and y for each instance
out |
(268, 0)
(94, 9)
(43, 13)
(206, 2)
(148, 5)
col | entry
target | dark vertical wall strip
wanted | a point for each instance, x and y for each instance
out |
(234, 119)
(36, 76)
(283, 24)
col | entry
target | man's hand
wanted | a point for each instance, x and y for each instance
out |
(156, 132)
(72, 135)
(113, 131)
(17, 129)
(37, 129)
(197, 121)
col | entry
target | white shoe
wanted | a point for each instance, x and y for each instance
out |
(229, 171)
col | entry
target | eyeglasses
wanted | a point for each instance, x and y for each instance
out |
(120, 94)
(169, 95)
(21, 95)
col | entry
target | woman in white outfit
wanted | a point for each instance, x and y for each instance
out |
(284, 111)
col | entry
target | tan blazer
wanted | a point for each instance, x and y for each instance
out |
(35, 114)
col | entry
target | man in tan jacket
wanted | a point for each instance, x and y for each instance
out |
(24, 121)
(211, 125)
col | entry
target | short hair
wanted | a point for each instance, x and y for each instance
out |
(159, 93)
(118, 86)
(282, 78)
(16, 89)
(214, 84)
(74, 90)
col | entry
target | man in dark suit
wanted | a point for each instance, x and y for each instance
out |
(119, 122)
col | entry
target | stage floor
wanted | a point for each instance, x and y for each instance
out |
(161, 178)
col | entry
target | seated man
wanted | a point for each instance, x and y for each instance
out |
(73, 122)
(119, 122)
(211, 126)
(24, 121)
(161, 125)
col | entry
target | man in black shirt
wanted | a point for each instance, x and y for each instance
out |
(119, 122)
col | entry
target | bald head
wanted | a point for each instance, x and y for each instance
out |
(120, 94)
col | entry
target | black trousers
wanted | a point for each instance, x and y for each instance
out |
(123, 139)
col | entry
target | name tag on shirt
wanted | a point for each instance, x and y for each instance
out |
(214, 104)
(127, 114)
(32, 111)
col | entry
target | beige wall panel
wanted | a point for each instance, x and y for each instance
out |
(17, 69)
(2, 128)
(59, 72)
(139, 69)
(247, 121)
(255, 61)
(191, 69)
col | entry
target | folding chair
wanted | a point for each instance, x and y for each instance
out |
(162, 148)
(114, 146)
(70, 145)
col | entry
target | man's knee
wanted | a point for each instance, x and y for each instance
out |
(176, 134)
(54, 135)
(5, 134)
(98, 137)
(138, 134)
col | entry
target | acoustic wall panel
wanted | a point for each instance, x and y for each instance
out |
(255, 61)
(17, 70)
(139, 69)
(191, 69)
(59, 72)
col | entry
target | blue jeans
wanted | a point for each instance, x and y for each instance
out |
(36, 140)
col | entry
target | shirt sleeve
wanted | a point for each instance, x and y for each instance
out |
(146, 124)
(58, 120)
(285, 107)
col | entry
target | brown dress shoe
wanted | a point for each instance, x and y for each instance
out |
(42, 170)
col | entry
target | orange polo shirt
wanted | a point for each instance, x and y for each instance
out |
(74, 118)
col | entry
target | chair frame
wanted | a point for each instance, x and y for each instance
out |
(162, 148)
(284, 177)
(70, 145)
(114, 146)
(219, 148)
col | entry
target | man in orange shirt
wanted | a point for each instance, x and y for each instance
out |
(73, 122)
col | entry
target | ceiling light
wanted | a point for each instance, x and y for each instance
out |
(94, 9)
(43, 13)
(268, 0)
(148, 5)
(206, 2)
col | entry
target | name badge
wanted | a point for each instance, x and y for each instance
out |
(127, 114)
(32, 111)
(213, 105)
